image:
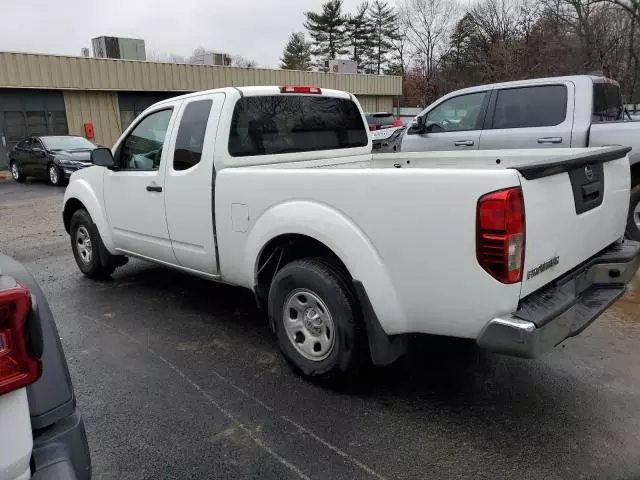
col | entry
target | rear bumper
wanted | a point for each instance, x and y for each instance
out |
(564, 309)
(61, 451)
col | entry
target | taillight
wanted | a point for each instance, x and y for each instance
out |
(299, 89)
(372, 127)
(397, 123)
(17, 367)
(501, 234)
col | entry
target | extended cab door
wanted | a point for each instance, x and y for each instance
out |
(189, 183)
(133, 194)
(535, 116)
(454, 124)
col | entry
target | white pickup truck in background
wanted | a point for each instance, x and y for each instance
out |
(275, 189)
(560, 112)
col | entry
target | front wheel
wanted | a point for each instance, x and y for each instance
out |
(317, 320)
(55, 175)
(92, 257)
(633, 218)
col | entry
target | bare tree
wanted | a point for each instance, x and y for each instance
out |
(502, 40)
(240, 61)
(155, 55)
(401, 50)
(632, 7)
(428, 25)
(498, 19)
(199, 50)
(632, 63)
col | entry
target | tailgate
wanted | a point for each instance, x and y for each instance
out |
(574, 207)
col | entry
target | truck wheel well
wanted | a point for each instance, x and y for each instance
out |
(284, 249)
(72, 206)
(635, 174)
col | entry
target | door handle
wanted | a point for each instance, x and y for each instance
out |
(154, 188)
(550, 140)
(463, 143)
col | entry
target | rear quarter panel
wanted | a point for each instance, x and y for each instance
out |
(407, 234)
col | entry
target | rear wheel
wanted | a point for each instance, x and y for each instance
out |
(633, 219)
(92, 257)
(16, 174)
(317, 320)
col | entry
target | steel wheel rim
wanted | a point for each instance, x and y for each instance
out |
(308, 324)
(14, 171)
(53, 174)
(83, 244)
(636, 215)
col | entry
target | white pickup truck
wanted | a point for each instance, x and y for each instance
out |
(275, 189)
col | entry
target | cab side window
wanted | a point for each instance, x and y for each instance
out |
(191, 133)
(142, 149)
(456, 114)
(540, 106)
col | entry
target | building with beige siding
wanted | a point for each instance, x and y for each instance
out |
(52, 94)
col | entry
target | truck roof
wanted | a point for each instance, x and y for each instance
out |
(534, 81)
(255, 91)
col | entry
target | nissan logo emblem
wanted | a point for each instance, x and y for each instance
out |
(588, 172)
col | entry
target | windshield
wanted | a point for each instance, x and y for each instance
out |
(607, 102)
(67, 143)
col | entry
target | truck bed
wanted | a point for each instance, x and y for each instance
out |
(617, 133)
(409, 234)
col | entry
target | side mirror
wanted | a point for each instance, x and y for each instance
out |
(102, 157)
(417, 126)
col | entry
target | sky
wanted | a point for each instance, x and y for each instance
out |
(255, 29)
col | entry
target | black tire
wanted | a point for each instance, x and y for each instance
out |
(349, 353)
(632, 230)
(16, 174)
(100, 263)
(56, 180)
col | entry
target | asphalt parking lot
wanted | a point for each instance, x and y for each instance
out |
(180, 378)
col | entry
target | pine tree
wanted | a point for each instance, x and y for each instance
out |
(360, 33)
(385, 23)
(327, 29)
(297, 53)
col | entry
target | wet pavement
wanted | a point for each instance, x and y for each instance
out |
(180, 378)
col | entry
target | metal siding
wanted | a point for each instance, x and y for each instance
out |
(100, 108)
(65, 70)
(24, 70)
(373, 103)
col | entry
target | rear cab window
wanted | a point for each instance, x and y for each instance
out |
(525, 107)
(607, 102)
(288, 123)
